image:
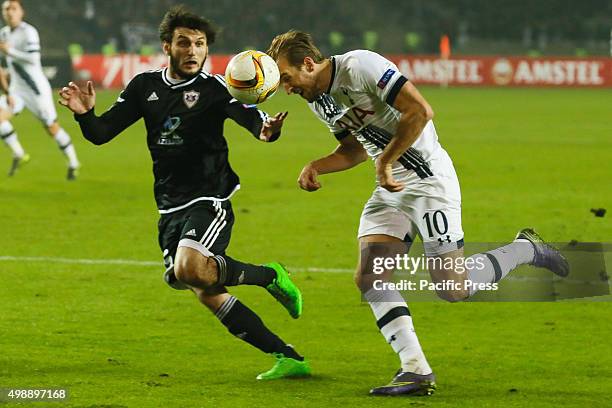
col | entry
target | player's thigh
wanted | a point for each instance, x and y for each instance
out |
(377, 257)
(42, 106)
(448, 266)
(434, 206)
(6, 111)
(207, 227)
(188, 238)
(206, 231)
(384, 232)
(382, 215)
(448, 270)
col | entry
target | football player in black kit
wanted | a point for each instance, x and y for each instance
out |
(184, 109)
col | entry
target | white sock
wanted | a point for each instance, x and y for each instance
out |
(493, 266)
(395, 323)
(8, 134)
(65, 144)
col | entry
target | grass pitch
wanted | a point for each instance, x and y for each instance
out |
(116, 336)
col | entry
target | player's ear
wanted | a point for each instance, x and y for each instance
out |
(309, 64)
(166, 47)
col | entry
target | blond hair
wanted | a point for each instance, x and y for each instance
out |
(295, 46)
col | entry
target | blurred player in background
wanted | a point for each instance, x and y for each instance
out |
(27, 87)
(184, 109)
(373, 110)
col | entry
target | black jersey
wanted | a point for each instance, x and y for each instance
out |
(184, 124)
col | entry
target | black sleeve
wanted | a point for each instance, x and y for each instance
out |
(247, 116)
(125, 111)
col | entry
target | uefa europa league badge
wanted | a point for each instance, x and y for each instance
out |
(190, 98)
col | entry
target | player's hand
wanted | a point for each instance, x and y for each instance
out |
(385, 178)
(10, 102)
(272, 126)
(308, 178)
(78, 100)
(4, 47)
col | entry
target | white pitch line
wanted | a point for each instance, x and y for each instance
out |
(79, 261)
(133, 262)
(159, 264)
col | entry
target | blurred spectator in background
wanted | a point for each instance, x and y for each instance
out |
(480, 26)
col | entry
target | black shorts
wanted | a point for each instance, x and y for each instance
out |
(205, 226)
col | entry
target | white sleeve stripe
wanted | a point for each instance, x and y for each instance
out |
(263, 115)
(220, 81)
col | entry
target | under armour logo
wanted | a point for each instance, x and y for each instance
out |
(441, 240)
(392, 339)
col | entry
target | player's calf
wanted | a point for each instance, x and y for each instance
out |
(452, 287)
(449, 278)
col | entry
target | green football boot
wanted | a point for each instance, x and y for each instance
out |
(285, 291)
(286, 367)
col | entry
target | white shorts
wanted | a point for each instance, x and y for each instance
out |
(40, 105)
(429, 207)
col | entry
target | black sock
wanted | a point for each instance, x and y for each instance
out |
(233, 272)
(243, 323)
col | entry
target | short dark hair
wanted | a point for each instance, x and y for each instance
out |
(179, 16)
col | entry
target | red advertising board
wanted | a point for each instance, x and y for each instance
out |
(116, 71)
(507, 71)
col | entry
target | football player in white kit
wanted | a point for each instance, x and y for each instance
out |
(373, 110)
(20, 46)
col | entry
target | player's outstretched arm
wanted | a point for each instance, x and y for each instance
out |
(79, 101)
(250, 118)
(348, 154)
(115, 120)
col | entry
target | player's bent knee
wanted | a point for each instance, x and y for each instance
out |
(362, 281)
(52, 129)
(196, 272)
(357, 278)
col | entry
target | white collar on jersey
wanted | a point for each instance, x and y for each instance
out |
(176, 83)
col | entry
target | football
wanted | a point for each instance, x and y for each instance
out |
(252, 77)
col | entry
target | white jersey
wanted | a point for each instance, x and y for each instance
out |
(359, 101)
(23, 60)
